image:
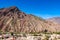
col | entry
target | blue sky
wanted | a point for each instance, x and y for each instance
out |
(41, 8)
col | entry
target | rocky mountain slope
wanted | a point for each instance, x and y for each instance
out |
(14, 20)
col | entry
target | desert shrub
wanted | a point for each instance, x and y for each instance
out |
(35, 33)
(45, 31)
(24, 35)
(12, 33)
(0, 32)
(47, 37)
(56, 32)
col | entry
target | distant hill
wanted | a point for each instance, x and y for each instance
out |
(55, 19)
(14, 20)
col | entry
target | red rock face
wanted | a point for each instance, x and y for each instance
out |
(8, 15)
(13, 20)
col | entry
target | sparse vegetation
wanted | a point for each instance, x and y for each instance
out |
(56, 33)
(40, 18)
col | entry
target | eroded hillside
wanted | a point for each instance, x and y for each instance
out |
(14, 20)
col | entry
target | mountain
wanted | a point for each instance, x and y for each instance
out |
(55, 19)
(14, 20)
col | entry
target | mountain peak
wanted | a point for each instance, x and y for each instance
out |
(10, 10)
(13, 9)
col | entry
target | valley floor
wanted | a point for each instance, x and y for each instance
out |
(30, 37)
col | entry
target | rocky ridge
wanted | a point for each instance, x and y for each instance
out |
(14, 20)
